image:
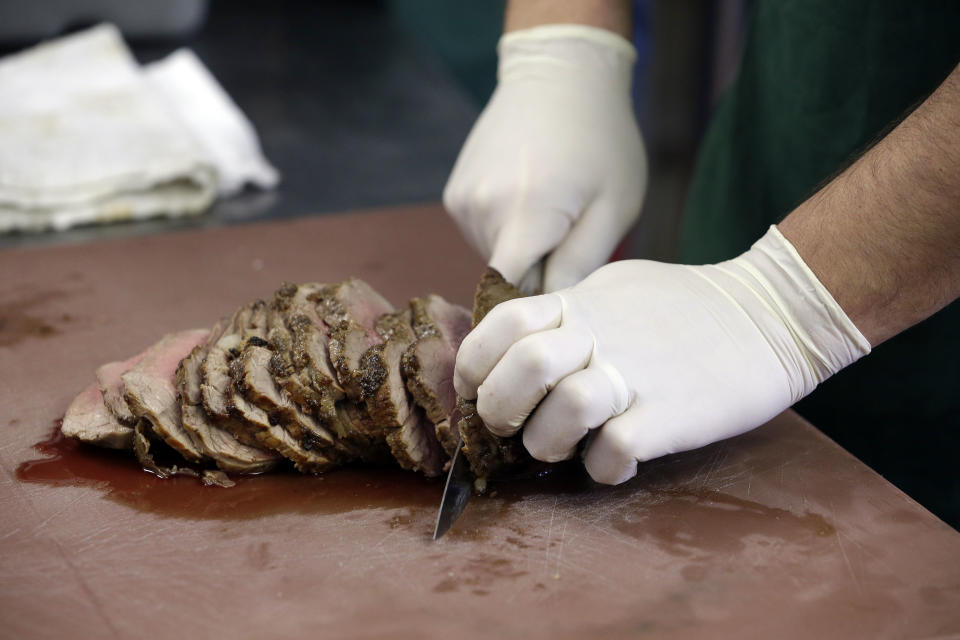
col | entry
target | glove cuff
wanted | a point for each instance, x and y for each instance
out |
(564, 48)
(826, 337)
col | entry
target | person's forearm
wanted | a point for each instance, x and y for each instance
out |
(884, 236)
(612, 15)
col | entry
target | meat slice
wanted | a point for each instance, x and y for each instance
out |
(108, 376)
(227, 407)
(407, 431)
(214, 441)
(428, 363)
(89, 420)
(350, 311)
(216, 385)
(298, 337)
(217, 391)
(300, 365)
(251, 373)
(488, 454)
(150, 392)
(255, 422)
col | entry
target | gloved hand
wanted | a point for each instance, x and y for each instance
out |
(661, 358)
(555, 163)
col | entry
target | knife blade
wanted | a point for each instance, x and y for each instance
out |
(456, 492)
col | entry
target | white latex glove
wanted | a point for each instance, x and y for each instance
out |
(661, 358)
(555, 165)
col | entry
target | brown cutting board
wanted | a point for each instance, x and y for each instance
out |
(775, 534)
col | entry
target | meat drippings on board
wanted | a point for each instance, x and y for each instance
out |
(316, 377)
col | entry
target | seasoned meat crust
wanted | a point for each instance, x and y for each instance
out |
(410, 436)
(350, 311)
(217, 443)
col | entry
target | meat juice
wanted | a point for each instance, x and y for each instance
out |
(67, 462)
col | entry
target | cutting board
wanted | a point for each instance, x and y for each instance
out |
(776, 534)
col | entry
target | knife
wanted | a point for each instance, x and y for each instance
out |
(456, 492)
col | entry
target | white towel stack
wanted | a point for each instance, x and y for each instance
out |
(86, 136)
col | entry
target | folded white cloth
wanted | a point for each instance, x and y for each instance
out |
(86, 136)
(216, 122)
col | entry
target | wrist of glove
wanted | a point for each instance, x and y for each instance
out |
(658, 358)
(554, 167)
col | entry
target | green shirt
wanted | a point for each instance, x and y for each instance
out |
(820, 80)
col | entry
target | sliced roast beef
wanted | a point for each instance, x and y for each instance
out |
(282, 368)
(222, 401)
(300, 365)
(251, 372)
(350, 311)
(322, 375)
(214, 441)
(299, 340)
(219, 395)
(405, 427)
(429, 362)
(149, 390)
(488, 454)
(309, 340)
(89, 420)
(307, 458)
(108, 376)
(414, 445)
(216, 385)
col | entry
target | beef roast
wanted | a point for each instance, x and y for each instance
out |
(428, 363)
(150, 392)
(108, 376)
(227, 405)
(406, 429)
(251, 371)
(216, 384)
(350, 311)
(298, 338)
(88, 419)
(322, 375)
(214, 441)
(256, 422)
(301, 366)
(487, 453)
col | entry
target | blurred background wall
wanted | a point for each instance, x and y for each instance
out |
(365, 103)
